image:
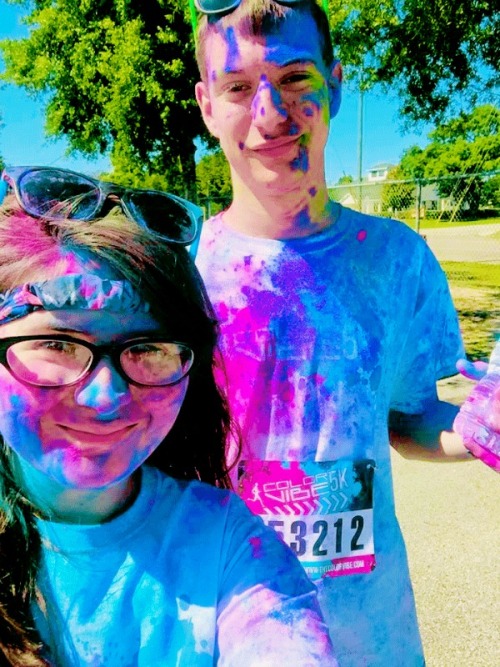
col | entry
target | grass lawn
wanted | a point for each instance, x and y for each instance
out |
(476, 274)
(443, 224)
(475, 289)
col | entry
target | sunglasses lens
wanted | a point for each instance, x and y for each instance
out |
(216, 6)
(55, 194)
(163, 215)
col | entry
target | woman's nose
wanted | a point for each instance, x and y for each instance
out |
(104, 390)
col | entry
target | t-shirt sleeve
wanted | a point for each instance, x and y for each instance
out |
(268, 613)
(431, 344)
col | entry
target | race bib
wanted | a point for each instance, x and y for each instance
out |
(322, 510)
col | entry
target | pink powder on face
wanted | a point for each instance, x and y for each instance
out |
(361, 235)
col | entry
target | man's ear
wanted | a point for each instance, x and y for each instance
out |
(205, 104)
(335, 87)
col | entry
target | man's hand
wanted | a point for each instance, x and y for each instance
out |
(478, 422)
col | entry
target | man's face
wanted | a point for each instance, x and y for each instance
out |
(267, 100)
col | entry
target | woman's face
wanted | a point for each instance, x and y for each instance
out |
(97, 432)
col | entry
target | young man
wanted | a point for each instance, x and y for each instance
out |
(334, 324)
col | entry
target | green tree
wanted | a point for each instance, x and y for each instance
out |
(439, 56)
(118, 77)
(213, 179)
(399, 193)
(345, 179)
(468, 144)
(490, 194)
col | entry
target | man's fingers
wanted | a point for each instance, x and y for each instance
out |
(473, 370)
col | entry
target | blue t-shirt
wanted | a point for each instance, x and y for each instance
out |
(186, 577)
(321, 337)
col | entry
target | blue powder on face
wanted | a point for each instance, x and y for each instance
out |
(258, 108)
(301, 161)
(233, 52)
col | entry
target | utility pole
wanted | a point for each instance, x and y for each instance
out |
(360, 140)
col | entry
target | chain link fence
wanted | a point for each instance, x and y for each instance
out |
(459, 215)
(457, 198)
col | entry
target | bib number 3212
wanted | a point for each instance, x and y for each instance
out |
(322, 510)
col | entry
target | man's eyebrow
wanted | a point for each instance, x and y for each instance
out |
(231, 70)
(298, 61)
(287, 63)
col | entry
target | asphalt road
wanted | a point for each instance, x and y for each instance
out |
(449, 516)
(470, 243)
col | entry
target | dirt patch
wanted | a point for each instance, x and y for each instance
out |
(455, 389)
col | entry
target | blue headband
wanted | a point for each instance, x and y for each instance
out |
(85, 291)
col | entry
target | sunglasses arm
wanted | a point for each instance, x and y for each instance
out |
(193, 248)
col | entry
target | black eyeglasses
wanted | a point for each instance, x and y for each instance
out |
(56, 194)
(58, 361)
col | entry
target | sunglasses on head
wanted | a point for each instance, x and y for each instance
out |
(226, 6)
(213, 7)
(56, 194)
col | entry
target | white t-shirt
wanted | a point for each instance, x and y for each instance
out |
(186, 577)
(322, 336)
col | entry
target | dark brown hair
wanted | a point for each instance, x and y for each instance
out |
(260, 18)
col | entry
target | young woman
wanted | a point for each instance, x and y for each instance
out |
(115, 546)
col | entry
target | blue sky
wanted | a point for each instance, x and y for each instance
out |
(22, 139)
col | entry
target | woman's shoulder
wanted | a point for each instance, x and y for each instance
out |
(220, 514)
(160, 489)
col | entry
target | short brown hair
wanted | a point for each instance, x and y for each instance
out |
(261, 17)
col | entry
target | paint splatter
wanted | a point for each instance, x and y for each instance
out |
(259, 103)
(256, 544)
(233, 50)
(301, 161)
